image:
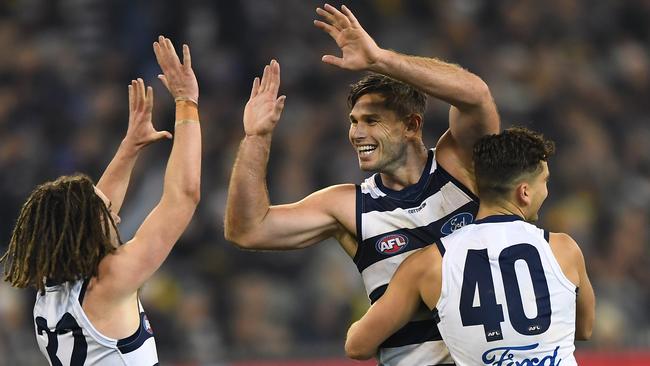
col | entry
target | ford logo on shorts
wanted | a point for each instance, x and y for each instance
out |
(391, 244)
(456, 222)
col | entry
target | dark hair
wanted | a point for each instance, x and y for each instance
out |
(500, 161)
(62, 233)
(399, 97)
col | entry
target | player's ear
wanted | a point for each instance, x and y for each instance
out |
(523, 193)
(413, 123)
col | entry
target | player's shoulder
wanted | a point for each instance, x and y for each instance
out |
(337, 190)
(565, 245)
(562, 239)
(332, 195)
(423, 260)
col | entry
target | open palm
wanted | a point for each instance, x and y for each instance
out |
(359, 50)
(264, 108)
(141, 132)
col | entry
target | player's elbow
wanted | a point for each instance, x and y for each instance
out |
(239, 237)
(192, 191)
(193, 195)
(184, 194)
(357, 350)
(481, 95)
(357, 346)
(584, 333)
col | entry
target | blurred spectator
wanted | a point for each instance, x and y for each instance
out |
(577, 70)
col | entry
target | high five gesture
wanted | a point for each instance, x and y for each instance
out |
(264, 108)
(360, 52)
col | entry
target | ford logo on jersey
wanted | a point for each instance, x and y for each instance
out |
(507, 356)
(456, 222)
(391, 244)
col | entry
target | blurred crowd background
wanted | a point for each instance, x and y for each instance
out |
(576, 70)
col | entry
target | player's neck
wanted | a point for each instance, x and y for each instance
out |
(486, 209)
(407, 171)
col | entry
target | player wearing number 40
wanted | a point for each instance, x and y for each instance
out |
(66, 245)
(505, 292)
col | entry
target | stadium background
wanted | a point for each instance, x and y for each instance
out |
(576, 70)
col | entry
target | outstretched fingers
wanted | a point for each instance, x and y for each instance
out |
(141, 94)
(275, 77)
(265, 79)
(348, 13)
(279, 103)
(256, 88)
(331, 30)
(333, 60)
(187, 58)
(329, 18)
(171, 52)
(149, 99)
(340, 20)
(130, 88)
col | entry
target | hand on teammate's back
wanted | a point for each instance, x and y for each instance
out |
(141, 131)
(360, 52)
(178, 77)
(264, 107)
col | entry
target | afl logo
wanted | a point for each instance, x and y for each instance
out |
(456, 222)
(146, 324)
(391, 244)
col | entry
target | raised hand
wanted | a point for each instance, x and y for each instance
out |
(141, 132)
(178, 77)
(360, 52)
(264, 108)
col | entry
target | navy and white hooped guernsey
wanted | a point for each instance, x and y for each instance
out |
(390, 226)
(66, 336)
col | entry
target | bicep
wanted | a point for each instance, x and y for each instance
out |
(309, 221)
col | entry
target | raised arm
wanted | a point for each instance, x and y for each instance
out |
(251, 222)
(473, 112)
(139, 258)
(416, 280)
(140, 133)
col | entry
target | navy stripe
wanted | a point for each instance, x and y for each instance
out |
(413, 333)
(448, 177)
(377, 293)
(435, 181)
(82, 292)
(137, 339)
(367, 253)
(413, 192)
(359, 210)
(547, 236)
(436, 315)
(441, 247)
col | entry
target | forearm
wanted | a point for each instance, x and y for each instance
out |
(448, 82)
(248, 198)
(183, 174)
(115, 180)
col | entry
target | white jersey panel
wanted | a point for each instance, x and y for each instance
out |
(66, 336)
(504, 298)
